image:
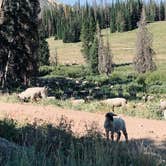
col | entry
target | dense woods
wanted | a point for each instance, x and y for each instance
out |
(66, 22)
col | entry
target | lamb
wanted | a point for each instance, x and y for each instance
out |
(113, 125)
(115, 102)
(33, 93)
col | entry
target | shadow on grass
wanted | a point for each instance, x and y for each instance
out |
(64, 88)
(44, 144)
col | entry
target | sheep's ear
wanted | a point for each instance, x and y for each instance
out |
(109, 115)
(112, 114)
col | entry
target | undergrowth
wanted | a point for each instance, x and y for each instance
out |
(42, 144)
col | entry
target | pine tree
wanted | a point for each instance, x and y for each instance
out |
(19, 41)
(94, 50)
(94, 56)
(43, 53)
(87, 36)
(143, 61)
(162, 11)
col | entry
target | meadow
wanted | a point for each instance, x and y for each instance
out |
(44, 144)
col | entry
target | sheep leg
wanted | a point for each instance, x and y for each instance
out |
(113, 108)
(112, 136)
(118, 137)
(107, 134)
(126, 135)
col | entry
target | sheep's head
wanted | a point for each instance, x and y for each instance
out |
(110, 116)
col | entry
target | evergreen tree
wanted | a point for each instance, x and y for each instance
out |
(19, 41)
(72, 33)
(43, 57)
(94, 56)
(87, 36)
(162, 11)
(143, 61)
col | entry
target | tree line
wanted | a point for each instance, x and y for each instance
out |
(66, 22)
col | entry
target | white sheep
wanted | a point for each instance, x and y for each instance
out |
(164, 114)
(77, 101)
(115, 125)
(115, 102)
(33, 93)
(162, 104)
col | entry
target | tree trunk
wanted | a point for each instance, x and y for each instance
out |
(6, 71)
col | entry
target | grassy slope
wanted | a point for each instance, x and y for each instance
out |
(122, 44)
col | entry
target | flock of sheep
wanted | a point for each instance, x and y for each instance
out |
(112, 123)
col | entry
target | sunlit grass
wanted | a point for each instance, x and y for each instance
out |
(122, 45)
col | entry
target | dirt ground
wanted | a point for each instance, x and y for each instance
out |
(150, 131)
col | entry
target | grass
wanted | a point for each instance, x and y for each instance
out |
(122, 45)
(149, 110)
(68, 53)
(48, 145)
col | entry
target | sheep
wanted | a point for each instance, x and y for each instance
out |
(33, 93)
(164, 114)
(162, 104)
(148, 98)
(77, 101)
(113, 125)
(115, 102)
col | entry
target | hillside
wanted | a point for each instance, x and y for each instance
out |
(122, 44)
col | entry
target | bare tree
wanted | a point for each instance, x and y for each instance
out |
(143, 61)
(105, 62)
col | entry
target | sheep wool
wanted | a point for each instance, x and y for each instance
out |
(117, 125)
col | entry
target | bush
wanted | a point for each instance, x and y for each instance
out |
(157, 89)
(155, 78)
(45, 70)
(8, 129)
(70, 71)
(134, 88)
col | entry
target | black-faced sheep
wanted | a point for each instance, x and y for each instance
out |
(115, 125)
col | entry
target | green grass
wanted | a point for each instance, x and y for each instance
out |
(68, 53)
(122, 45)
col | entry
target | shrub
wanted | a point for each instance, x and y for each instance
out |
(133, 89)
(45, 70)
(155, 78)
(8, 129)
(157, 89)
